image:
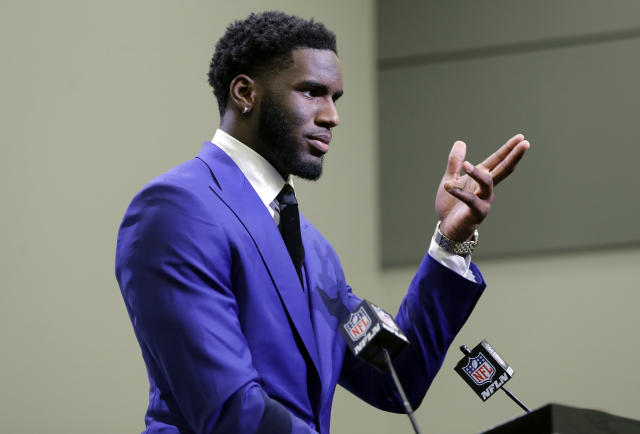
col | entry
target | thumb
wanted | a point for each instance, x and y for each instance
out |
(456, 158)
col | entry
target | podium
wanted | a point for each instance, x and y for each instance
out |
(561, 419)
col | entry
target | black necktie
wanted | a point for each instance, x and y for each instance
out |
(290, 226)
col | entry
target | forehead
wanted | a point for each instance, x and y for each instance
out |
(309, 64)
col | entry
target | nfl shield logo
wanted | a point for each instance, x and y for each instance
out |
(358, 324)
(479, 369)
(385, 317)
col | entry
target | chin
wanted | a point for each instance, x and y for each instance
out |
(310, 170)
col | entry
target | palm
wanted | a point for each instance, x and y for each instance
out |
(449, 207)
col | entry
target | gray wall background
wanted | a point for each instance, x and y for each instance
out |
(99, 97)
(563, 73)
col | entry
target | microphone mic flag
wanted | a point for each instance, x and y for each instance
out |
(483, 370)
(369, 330)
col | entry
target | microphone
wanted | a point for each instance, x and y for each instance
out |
(373, 336)
(369, 330)
(486, 372)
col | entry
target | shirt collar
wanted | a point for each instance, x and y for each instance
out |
(262, 176)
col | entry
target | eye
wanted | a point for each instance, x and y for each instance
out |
(310, 93)
(312, 89)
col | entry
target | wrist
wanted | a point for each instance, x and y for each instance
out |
(452, 245)
(456, 232)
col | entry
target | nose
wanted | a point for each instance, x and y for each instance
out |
(328, 114)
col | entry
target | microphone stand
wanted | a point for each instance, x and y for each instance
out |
(405, 401)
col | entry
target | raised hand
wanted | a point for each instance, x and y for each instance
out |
(462, 202)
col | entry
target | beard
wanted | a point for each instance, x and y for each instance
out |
(278, 143)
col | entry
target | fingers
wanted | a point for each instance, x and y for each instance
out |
(494, 159)
(456, 157)
(482, 177)
(506, 166)
(479, 207)
(478, 201)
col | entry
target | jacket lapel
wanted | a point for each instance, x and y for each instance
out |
(231, 186)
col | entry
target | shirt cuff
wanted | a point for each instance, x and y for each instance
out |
(453, 262)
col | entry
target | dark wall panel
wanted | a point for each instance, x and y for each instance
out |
(577, 187)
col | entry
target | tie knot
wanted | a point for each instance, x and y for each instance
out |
(287, 196)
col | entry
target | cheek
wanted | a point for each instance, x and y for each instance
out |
(301, 111)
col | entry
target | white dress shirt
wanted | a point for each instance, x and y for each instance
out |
(267, 182)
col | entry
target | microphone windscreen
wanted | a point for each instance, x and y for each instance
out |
(369, 330)
(484, 370)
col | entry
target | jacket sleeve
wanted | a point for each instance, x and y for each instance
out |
(436, 306)
(174, 265)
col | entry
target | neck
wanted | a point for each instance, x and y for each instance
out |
(240, 130)
(237, 129)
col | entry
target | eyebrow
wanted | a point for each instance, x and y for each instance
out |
(320, 88)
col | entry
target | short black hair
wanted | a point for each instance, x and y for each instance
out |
(259, 43)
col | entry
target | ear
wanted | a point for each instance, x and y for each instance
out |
(242, 93)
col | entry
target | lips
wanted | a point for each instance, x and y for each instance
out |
(320, 142)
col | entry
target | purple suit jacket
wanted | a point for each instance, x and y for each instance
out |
(231, 342)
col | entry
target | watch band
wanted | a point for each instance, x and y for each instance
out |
(461, 248)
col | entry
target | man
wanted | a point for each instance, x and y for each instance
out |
(235, 297)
